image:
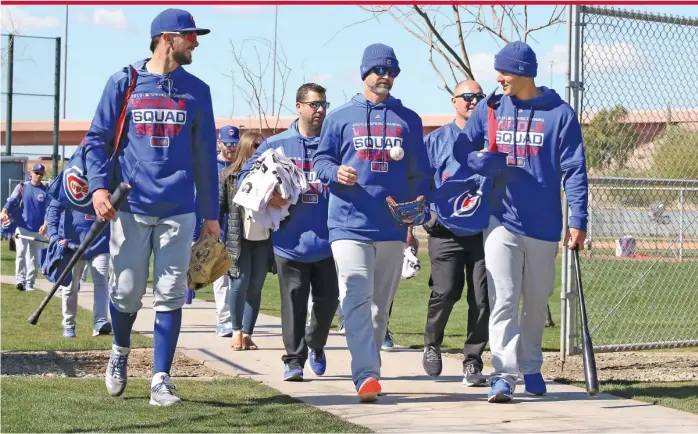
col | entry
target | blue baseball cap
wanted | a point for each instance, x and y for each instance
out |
(175, 20)
(39, 168)
(229, 134)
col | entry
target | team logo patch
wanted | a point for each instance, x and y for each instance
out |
(40, 197)
(89, 217)
(310, 198)
(76, 188)
(379, 166)
(160, 142)
(466, 204)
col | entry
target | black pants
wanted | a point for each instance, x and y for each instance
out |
(295, 282)
(455, 262)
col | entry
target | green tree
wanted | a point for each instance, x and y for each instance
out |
(607, 141)
(676, 154)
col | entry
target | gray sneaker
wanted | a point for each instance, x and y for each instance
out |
(472, 376)
(431, 360)
(116, 376)
(161, 393)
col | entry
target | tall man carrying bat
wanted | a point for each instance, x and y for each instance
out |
(168, 147)
(543, 140)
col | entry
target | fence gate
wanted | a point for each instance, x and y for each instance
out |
(632, 82)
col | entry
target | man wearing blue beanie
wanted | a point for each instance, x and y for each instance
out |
(370, 149)
(542, 138)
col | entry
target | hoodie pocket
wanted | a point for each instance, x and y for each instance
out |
(157, 181)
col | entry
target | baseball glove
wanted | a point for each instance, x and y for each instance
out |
(408, 213)
(209, 261)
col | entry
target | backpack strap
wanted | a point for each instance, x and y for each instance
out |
(491, 125)
(124, 110)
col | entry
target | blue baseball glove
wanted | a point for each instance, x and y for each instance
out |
(409, 213)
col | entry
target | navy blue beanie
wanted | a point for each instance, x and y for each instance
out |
(378, 55)
(517, 58)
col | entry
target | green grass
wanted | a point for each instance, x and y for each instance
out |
(19, 335)
(234, 405)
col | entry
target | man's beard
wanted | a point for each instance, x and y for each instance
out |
(380, 89)
(181, 58)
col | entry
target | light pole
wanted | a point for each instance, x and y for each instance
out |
(273, 77)
(65, 73)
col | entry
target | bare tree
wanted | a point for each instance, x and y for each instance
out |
(256, 63)
(445, 30)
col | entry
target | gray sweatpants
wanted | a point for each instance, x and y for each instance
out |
(99, 266)
(517, 267)
(27, 259)
(368, 274)
(133, 238)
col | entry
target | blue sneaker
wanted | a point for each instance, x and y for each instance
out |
(224, 330)
(534, 385)
(318, 361)
(500, 391)
(387, 342)
(293, 372)
(69, 332)
(101, 328)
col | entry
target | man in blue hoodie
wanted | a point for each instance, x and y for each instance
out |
(72, 227)
(543, 140)
(167, 148)
(370, 148)
(457, 256)
(301, 245)
(27, 205)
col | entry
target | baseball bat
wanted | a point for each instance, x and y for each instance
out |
(590, 376)
(121, 192)
(27, 237)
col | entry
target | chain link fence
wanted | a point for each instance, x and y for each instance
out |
(636, 98)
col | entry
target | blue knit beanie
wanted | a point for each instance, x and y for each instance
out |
(378, 55)
(517, 58)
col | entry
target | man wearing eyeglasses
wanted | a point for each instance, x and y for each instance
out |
(457, 257)
(168, 148)
(542, 138)
(27, 206)
(370, 148)
(301, 245)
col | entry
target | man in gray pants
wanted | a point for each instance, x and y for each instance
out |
(543, 140)
(370, 148)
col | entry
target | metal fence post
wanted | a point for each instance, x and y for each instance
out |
(681, 223)
(10, 81)
(56, 107)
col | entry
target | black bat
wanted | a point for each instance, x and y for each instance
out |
(590, 376)
(121, 192)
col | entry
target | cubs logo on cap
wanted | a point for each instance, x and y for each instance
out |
(229, 134)
(38, 168)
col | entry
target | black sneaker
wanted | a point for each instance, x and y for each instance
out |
(20, 286)
(431, 360)
(472, 376)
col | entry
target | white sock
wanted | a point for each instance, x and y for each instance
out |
(158, 377)
(122, 351)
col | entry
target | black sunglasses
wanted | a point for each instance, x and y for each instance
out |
(383, 70)
(471, 96)
(315, 105)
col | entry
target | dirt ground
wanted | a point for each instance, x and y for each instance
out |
(91, 364)
(639, 366)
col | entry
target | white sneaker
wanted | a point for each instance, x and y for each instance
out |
(116, 376)
(161, 391)
(472, 377)
(29, 288)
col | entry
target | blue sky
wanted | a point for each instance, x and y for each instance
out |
(103, 39)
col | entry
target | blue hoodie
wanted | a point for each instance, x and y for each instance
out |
(548, 150)
(65, 224)
(303, 235)
(33, 208)
(221, 164)
(360, 212)
(168, 144)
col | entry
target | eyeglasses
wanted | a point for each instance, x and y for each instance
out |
(468, 97)
(188, 36)
(383, 70)
(315, 105)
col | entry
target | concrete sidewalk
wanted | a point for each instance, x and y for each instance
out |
(414, 401)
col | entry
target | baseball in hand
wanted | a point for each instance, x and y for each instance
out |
(397, 153)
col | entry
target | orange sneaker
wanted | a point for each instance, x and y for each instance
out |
(369, 390)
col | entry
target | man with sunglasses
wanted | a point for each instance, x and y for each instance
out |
(370, 149)
(167, 148)
(301, 245)
(543, 140)
(27, 205)
(457, 257)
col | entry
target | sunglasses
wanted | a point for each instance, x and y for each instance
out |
(315, 105)
(188, 36)
(468, 97)
(383, 70)
(227, 145)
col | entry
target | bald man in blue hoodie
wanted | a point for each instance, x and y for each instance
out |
(167, 148)
(370, 148)
(543, 140)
